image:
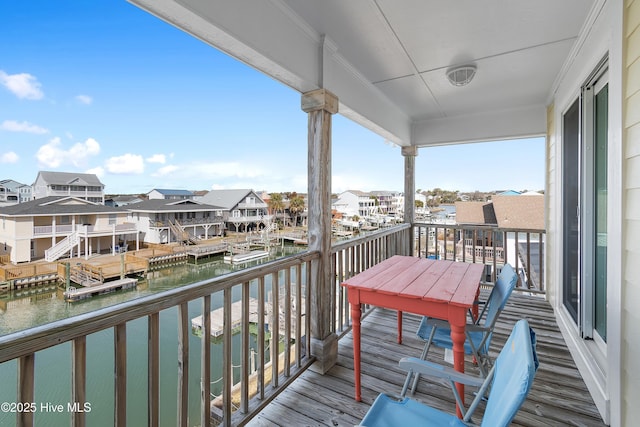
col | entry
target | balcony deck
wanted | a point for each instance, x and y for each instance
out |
(558, 397)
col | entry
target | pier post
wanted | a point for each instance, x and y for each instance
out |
(409, 154)
(320, 105)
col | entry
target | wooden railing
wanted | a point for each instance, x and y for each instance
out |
(356, 255)
(492, 246)
(281, 289)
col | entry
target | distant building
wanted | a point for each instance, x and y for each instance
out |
(243, 210)
(182, 221)
(53, 227)
(168, 194)
(8, 194)
(79, 185)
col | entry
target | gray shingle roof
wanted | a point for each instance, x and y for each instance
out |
(69, 178)
(162, 205)
(56, 205)
(226, 199)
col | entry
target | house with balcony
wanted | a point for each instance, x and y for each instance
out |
(85, 186)
(23, 191)
(176, 220)
(242, 210)
(420, 74)
(170, 194)
(8, 196)
(53, 227)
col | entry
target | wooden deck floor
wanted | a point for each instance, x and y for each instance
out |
(559, 396)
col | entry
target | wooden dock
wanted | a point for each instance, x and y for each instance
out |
(208, 250)
(77, 294)
(217, 317)
(246, 257)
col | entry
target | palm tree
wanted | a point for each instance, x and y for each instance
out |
(296, 206)
(275, 203)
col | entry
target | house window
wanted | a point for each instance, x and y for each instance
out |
(112, 219)
(585, 207)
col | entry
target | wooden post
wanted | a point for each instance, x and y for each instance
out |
(320, 105)
(409, 154)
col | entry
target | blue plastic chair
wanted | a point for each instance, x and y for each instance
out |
(478, 332)
(509, 382)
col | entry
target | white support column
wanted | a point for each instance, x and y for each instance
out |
(409, 154)
(320, 105)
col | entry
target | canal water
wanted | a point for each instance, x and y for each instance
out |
(21, 310)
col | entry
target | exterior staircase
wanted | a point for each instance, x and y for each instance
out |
(62, 247)
(182, 235)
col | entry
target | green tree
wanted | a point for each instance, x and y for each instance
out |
(275, 203)
(296, 206)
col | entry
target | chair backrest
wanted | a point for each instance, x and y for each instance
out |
(513, 375)
(500, 293)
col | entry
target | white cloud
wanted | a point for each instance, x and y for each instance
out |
(23, 85)
(54, 155)
(13, 126)
(157, 158)
(125, 164)
(9, 157)
(84, 99)
(98, 171)
(166, 170)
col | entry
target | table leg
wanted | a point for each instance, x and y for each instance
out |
(399, 327)
(458, 337)
(355, 328)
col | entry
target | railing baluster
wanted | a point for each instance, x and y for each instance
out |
(120, 387)
(78, 379)
(205, 363)
(261, 355)
(246, 350)
(287, 322)
(275, 328)
(26, 379)
(299, 311)
(227, 361)
(153, 366)
(528, 260)
(183, 365)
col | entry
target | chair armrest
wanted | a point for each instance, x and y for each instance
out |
(424, 367)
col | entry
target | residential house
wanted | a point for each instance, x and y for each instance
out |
(24, 191)
(355, 203)
(169, 194)
(52, 227)
(80, 185)
(170, 220)
(490, 222)
(243, 210)
(8, 196)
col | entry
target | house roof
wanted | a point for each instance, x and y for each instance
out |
(56, 205)
(524, 212)
(226, 199)
(162, 205)
(70, 178)
(171, 192)
(475, 213)
(508, 211)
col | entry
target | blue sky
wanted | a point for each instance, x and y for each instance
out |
(103, 87)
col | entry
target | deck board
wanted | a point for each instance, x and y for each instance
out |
(558, 397)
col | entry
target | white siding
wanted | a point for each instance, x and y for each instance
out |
(630, 317)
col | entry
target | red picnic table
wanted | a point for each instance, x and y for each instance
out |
(435, 288)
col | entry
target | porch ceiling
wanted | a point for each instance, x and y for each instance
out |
(386, 60)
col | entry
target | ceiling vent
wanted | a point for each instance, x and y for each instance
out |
(461, 76)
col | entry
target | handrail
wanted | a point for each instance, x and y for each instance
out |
(489, 245)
